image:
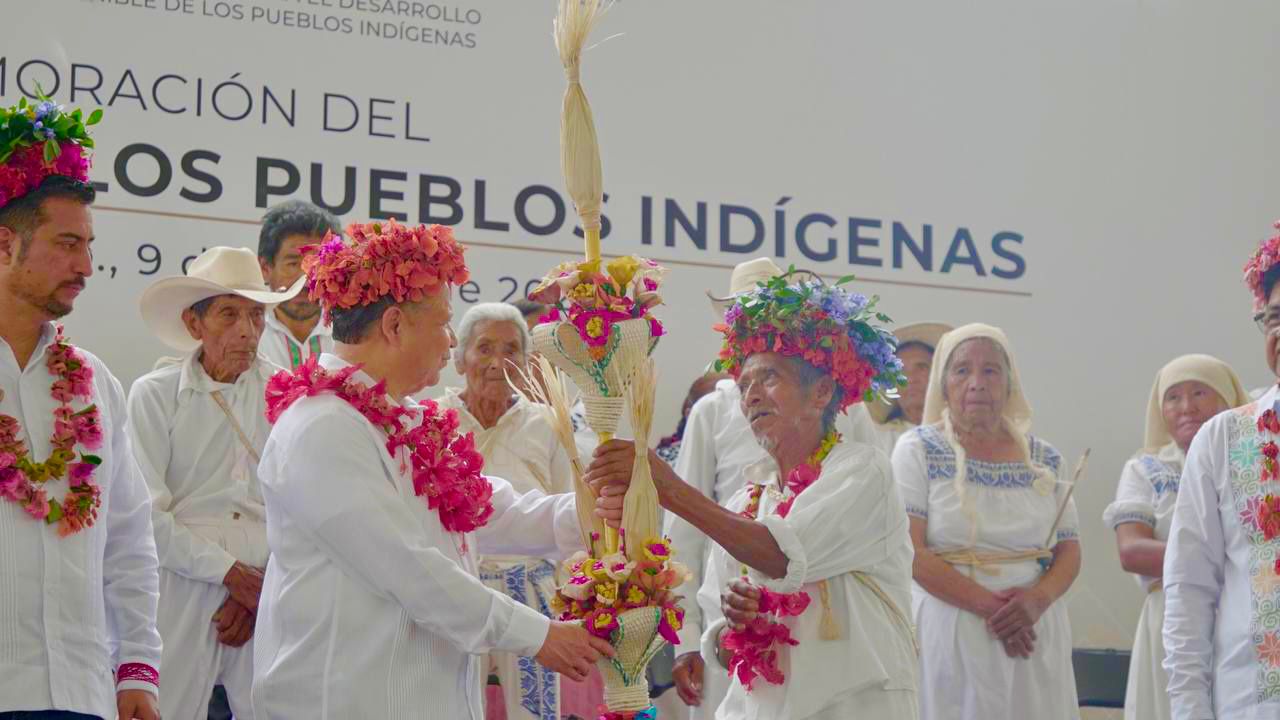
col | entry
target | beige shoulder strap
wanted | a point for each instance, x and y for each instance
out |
(235, 425)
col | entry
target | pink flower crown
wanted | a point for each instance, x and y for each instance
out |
(1266, 257)
(38, 141)
(383, 258)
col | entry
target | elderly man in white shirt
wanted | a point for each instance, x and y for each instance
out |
(78, 580)
(1222, 560)
(293, 329)
(198, 426)
(716, 450)
(377, 511)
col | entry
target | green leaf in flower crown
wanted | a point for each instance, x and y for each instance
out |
(51, 150)
(94, 117)
(91, 459)
(845, 279)
(55, 513)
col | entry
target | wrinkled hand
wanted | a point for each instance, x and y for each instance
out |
(687, 674)
(609, 502)
(612, 465)
(740, 603)
(571, 651)
(234, 623)
(137, 705)
(1022, 608)
(245, 584)
(1021, 644)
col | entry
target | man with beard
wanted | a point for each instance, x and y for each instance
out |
(198, 426)
(293, 330)
(78, 579)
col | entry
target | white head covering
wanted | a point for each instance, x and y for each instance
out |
(1203, 368)
(1017, 411)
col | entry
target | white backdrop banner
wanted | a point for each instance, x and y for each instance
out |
(1088, 176)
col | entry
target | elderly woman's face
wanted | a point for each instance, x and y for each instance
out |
(1186, 406)
(775, 401)
(977, 383)
(493, 348)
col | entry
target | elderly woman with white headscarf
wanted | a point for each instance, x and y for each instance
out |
(519, 444)
(991, 562)
(1186, 393)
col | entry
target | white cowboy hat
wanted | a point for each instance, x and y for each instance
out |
(217, 271)
(924, 333)
(744, 279)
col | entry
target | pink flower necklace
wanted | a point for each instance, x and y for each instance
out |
(22, 480)
(753, 652)
(446, 466)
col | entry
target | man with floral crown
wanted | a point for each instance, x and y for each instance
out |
(1222, 561)
(811, 561)
(78, 570)
(377, 509)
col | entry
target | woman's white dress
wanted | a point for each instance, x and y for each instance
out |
(965, 673)
(1147, 493)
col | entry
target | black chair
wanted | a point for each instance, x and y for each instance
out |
(1101, 677)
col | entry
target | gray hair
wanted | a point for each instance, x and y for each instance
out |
(809, 376)
(489, 312)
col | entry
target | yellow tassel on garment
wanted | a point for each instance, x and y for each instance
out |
(829, 629)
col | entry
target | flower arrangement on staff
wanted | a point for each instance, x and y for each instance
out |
(632, 604)
(39, 140)
(826, 325)
(599, 589)
(594, 299)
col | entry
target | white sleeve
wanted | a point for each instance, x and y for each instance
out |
(343, 499)
(1135, 499)
(911, 473)
(130, 574)
(696, 464)
(1193, 574)
(531, 524)
(178, 549)
(706, 640)
(847, 520)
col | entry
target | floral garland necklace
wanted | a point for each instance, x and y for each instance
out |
(446, 466)
(22, 480)
(752, 650)
(1264, 513)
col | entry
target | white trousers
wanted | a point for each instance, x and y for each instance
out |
(193, 660)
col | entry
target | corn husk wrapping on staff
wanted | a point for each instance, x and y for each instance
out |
(640, 506)
(579, 147)
(548, 386)
(601, 334)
